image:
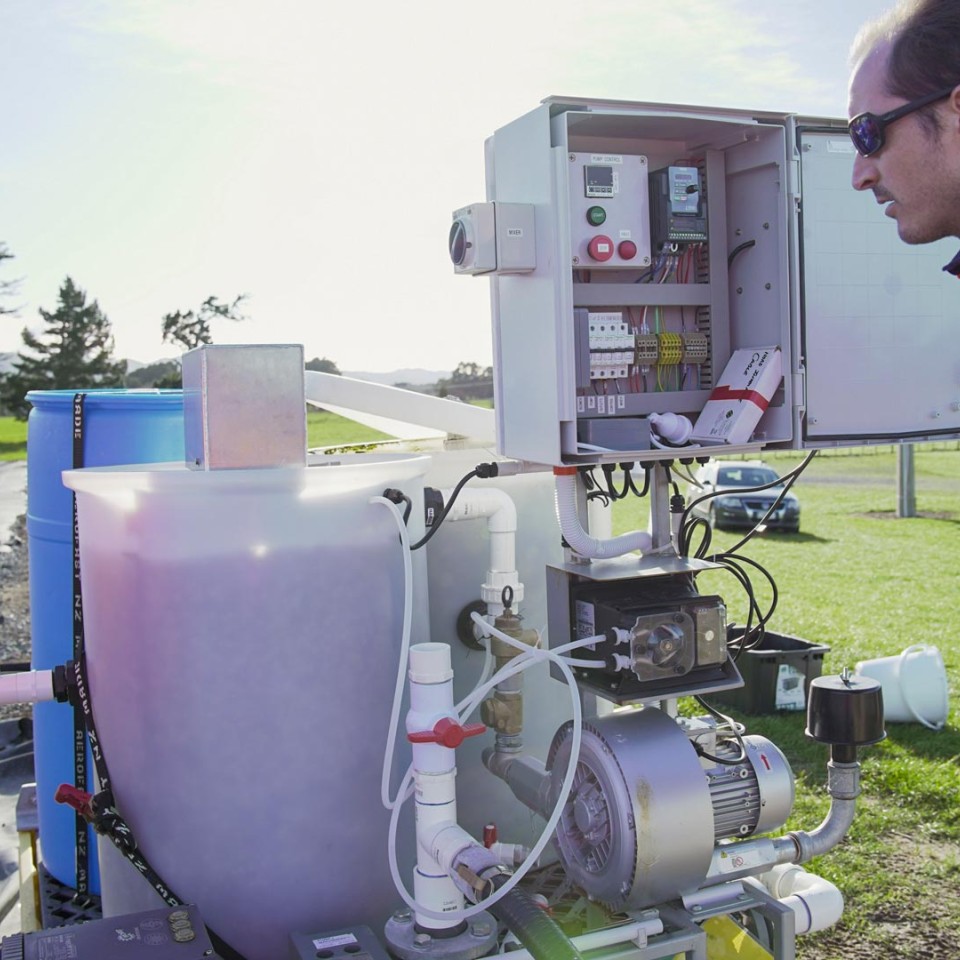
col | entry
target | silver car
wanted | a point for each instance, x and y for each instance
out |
(738, 505)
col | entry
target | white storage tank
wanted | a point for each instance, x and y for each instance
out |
(243, 630)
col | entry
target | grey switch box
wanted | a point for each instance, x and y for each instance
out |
(244, 406)
(170, 933)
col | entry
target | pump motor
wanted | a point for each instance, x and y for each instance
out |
(648, 804)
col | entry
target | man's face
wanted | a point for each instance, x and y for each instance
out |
(916, 172)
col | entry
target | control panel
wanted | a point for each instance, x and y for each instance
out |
(668, 244)
(609, 211)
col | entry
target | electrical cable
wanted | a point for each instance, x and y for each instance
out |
(735, 729)
(608, 470)
(628, 484)
(646, 481)
(446, 509)
(686, 536)
(736, 251)
(790, 476)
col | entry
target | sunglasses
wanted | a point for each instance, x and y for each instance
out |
(866, 129)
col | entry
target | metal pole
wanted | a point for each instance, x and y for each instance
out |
(906, 482)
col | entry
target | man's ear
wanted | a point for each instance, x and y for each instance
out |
(953, 105)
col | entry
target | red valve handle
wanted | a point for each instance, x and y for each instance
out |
(76, 798)
(447, 732)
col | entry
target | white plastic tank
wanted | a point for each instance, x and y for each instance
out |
(243, 629)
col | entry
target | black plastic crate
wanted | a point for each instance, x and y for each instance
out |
(776, 674)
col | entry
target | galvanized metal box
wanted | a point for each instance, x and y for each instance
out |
(244, 406)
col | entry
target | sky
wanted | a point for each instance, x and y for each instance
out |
(309, 153)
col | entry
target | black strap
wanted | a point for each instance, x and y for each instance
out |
(79, 739)
(108, 821)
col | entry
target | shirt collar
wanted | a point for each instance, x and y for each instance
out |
(954, 266)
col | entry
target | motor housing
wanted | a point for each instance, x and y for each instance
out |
(650, 800)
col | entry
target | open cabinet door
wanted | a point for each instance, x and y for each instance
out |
(879, 320)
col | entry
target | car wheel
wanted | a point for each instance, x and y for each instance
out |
(712, 518)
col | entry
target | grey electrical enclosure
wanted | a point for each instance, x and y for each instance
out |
(793, 259)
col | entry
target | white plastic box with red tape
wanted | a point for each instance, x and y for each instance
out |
(738, 401)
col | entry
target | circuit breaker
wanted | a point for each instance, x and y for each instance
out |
(671, 240)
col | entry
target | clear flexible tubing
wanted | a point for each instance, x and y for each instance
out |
(488, 628)
(387, 770)
(515, 666)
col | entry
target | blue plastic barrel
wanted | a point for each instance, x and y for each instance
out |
(121, 426)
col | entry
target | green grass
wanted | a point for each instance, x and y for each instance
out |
(868, 584)
(325, 429)
(13, 439)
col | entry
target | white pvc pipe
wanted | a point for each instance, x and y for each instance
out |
(435, 779)
(816, 903)
(30, 686)
(404, 406)
(500, 512)
(578, 539)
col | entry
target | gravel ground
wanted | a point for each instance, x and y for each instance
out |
(14, 607)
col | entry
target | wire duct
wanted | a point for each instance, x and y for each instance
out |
(578, 538)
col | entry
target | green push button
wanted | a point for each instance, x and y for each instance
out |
(596, 216)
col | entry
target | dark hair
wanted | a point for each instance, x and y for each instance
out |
(924, 39)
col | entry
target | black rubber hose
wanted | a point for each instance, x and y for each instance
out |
(534, 928)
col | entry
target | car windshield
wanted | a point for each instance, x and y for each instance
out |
(746, 476)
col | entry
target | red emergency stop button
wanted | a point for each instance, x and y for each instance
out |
(627, 249)
(600, 248)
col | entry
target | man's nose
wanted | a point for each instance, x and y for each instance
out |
(865, 173)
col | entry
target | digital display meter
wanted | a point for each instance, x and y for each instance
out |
(599, 181)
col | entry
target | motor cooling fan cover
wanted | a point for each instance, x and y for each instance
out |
(637, 828)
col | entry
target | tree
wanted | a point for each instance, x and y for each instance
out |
(469, 381)
(7, 287)
(191, 329)
(322, 365)
(149, 375)
(74, 352)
